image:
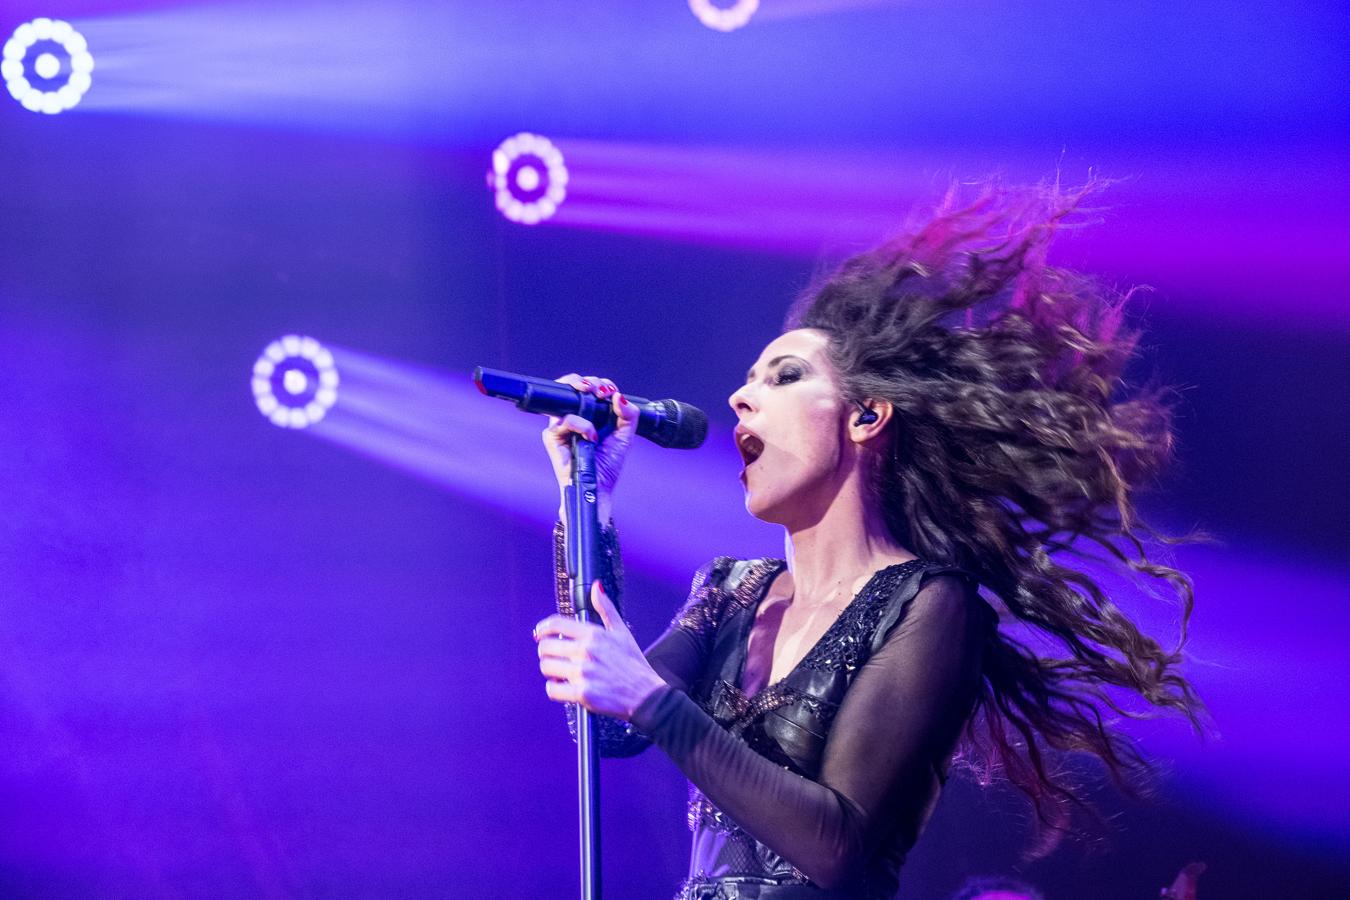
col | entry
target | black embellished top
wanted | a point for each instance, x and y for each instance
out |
(817, 785)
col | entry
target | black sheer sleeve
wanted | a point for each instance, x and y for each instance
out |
(886, 756)
(677, 655)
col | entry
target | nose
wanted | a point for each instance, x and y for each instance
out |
(739, 401)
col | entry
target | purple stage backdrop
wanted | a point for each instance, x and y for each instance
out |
(243, 660)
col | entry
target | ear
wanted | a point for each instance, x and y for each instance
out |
(869, 419)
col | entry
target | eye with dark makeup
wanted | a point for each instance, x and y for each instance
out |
(787, 375)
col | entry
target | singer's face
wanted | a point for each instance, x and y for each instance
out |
(792, 432)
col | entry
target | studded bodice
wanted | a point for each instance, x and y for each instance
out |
(788, 721)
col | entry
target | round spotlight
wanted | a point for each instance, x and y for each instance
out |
(528, 178)
(295, 382)
(727, 16)
(59, 72)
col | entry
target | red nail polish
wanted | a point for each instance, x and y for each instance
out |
(623, 401)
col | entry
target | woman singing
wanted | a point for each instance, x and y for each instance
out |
(938, 423)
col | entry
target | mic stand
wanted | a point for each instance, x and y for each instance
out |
(583, 553)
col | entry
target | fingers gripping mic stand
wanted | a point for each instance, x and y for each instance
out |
(583, 553)
(667, 423)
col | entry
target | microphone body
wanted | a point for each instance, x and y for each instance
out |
(666, 423)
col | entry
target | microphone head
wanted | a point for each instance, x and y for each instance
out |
(684, 427)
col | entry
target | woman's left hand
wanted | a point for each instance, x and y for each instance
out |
(602, 669)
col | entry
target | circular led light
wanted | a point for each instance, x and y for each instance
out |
(295, 382)
(528, 178)
(59, 47)
(726, 17)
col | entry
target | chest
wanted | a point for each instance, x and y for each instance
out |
(780, 637)
(776, 679)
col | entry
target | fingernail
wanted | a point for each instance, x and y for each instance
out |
(585, 382)
(623, 401)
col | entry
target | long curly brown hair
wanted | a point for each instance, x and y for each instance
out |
(1008, 451)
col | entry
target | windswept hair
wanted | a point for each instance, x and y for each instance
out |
(1008, 451)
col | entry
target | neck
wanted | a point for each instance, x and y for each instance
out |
(833, 552)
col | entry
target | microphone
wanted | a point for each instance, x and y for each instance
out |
(666, 423)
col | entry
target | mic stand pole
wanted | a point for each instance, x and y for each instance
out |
(583, 553)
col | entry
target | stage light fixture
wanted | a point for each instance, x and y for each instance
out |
(295, 382)
(528, 178)
(724, 16)
(49, 85)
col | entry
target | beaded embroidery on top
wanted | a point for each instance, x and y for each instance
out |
(845, 643)
(616, 737)
(842, 648)
(611, 568)
(701, 886)
(710, 603)
(741, 850)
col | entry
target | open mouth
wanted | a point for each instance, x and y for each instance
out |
(749, 445)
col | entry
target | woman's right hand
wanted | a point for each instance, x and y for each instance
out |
(610, 453)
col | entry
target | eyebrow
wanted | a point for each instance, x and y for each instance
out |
(750, 375)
